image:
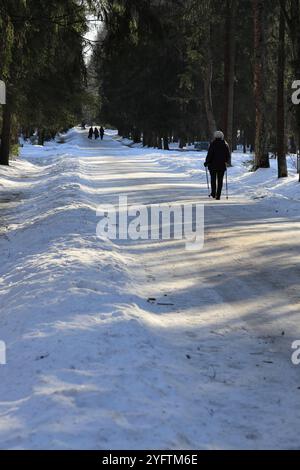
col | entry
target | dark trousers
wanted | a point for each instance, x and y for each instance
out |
(217, 179)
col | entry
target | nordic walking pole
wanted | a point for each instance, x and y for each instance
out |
(227, 195)
(207, 180)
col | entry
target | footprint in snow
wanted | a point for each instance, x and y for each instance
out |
(87, 285)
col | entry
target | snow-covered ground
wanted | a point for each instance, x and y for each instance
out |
(91, 362)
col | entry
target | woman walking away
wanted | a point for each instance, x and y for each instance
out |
(101, 132)
(91, 133)
(217, 160)
(96, 132)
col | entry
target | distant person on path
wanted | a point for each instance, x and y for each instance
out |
(96, 132)
(218, 158)
(101, 132)
(91, 133)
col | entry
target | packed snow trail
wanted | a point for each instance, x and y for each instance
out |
(91, 363)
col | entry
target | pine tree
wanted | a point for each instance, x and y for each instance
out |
(45, 71)
(261, 144)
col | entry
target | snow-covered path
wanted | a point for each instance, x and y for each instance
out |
(91, 363)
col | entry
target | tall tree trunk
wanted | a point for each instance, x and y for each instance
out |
(182, 142)
(229, 69)
(41, 134)
(152, 141)
(244, 142)
(137, 135)
(208, 76)
(144, 139)
(159, 142)
(166, 143)
(261, 144)
(6, 134)
(281, 146)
